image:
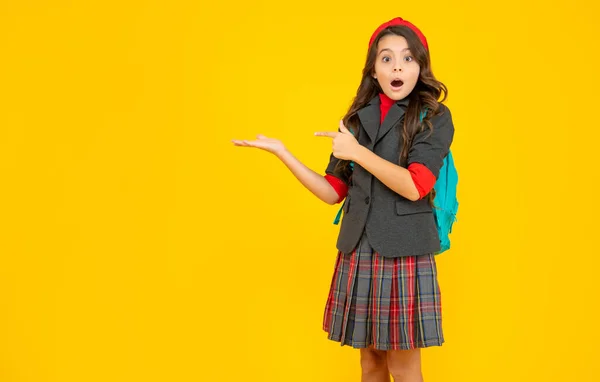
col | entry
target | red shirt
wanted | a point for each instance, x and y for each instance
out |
(421, 176)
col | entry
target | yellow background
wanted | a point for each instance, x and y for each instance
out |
(137, 244)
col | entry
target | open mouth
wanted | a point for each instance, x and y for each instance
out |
(397, 83)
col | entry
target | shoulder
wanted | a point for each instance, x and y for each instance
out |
(442, 116)
(441, 122)
(438, 128)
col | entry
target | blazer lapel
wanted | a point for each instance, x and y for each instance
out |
(394, 115)
(369, 118)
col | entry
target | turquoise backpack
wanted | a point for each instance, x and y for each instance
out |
(445, 202)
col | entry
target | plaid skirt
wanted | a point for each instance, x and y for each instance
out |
(390, 303)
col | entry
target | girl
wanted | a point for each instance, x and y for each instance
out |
(384, 297)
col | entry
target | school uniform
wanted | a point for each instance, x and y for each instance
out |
(384, 290)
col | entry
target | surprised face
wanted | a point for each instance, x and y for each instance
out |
(396, 69)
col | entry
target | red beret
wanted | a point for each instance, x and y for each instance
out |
(397, 22)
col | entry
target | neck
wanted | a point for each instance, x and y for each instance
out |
(385, 99)
(385, 105)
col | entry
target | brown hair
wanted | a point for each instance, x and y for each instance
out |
(425, 95)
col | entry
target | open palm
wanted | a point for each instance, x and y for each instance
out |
(271, 145)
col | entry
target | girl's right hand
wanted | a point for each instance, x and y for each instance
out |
(272, 145)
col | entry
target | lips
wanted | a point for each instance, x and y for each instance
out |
(397, 83)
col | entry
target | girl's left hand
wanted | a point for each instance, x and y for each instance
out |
(345, 146)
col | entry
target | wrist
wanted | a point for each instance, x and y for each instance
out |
(359, 154)
(282, 153)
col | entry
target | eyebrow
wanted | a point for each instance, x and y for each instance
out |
(383, 50)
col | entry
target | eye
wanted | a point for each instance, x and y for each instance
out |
(386, 59)
(408, 58)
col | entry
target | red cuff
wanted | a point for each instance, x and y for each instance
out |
(338, 185)
(422, 177)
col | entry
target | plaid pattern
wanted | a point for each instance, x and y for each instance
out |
(391, 303)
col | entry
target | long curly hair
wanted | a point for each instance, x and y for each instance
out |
(425, 95)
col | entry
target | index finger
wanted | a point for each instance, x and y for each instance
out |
(330, 134)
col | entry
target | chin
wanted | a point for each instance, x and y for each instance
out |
(396, 96)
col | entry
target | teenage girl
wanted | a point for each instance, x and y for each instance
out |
(384, 297)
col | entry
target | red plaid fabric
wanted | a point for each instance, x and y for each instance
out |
(391, 303)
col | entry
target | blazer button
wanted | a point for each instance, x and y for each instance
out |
(367, 200)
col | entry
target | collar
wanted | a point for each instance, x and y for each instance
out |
(370, 117)
(378, 99)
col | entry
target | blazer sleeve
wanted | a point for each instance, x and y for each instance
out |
(330, 170)
(430, 147)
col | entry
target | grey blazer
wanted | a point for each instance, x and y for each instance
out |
(395, 226)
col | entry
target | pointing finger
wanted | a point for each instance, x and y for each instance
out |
(329, 134)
